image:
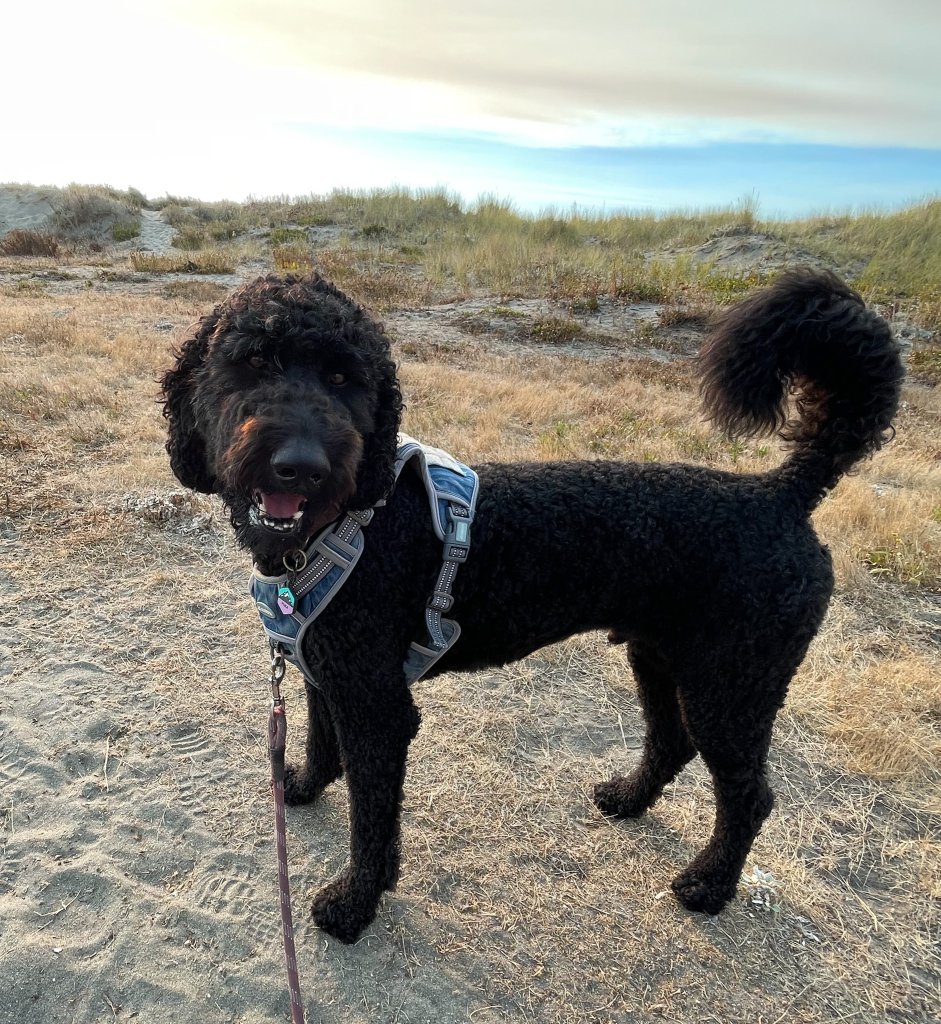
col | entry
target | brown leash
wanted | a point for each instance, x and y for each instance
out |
(277, 738)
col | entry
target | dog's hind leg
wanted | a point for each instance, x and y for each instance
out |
(667, 746)
(304, 783)
(733, 740)
(374, 741)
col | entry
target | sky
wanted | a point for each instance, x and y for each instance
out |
(804, 106)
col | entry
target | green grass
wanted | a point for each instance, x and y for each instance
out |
(124, 231)
(905, 560)
(901, 249)
(554, 330)
(288, 236)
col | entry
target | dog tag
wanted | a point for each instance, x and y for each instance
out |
(286, 600)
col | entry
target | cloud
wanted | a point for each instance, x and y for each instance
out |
(226, 97)
(601, 72)
(843, 70)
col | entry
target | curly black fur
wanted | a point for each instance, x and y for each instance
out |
(715, 580)
(809, 335)
(256, 376)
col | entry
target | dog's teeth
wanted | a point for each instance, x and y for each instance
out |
(259, 516)
(263, 519)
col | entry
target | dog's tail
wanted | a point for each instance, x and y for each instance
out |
(811, 336)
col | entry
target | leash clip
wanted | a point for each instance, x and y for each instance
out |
(278, 668)
(277, 723)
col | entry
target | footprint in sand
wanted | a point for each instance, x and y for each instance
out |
(225, 887)
(200, 768)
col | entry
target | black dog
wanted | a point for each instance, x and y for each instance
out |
(285, 402)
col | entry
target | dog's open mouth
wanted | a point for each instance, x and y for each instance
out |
(277, 510)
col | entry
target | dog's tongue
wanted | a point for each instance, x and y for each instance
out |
(279, 505)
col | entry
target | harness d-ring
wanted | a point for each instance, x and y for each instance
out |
(294, 560)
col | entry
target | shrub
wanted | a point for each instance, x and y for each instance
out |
(295, 259)
(288, 236)
(25, 242)
(554, 330)
(226, 230)
(80, 211)
(123, 231)
(189, 238)
(177, 215)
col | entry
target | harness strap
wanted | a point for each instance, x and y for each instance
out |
(334, 549)
(456, 550)
(289, 604)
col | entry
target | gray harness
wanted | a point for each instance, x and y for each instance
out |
(290, 603)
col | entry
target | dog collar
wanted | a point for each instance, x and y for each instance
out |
(289, 604)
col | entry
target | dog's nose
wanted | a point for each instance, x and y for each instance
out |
(299, 463)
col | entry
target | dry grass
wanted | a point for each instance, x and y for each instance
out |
(517, 901)
(206, 261)
(378, 277)
(490, 247)
(25, 242)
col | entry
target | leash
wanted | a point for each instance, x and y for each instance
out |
(277, 738)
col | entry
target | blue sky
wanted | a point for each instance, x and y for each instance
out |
(786, 179)
(809, 106)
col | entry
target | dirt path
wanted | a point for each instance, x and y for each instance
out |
(155, 233)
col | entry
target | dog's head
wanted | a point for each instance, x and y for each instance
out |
(284, 401)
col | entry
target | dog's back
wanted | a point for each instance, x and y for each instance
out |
(649, 552)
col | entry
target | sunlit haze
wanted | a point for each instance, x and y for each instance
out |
(608, 104)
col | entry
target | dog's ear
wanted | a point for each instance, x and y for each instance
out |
(376, 470)
(185, 444)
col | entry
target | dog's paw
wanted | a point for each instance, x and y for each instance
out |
(702, 893)
(343, 910)
(621, 798)
(300, 787)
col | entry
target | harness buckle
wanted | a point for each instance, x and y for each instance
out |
(457, 534)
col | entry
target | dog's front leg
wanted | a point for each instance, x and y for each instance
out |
(304, 783)
(374, 736)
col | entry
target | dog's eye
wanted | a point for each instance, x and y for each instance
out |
(258, 362)
(337, 380)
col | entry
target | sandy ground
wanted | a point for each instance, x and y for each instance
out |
(24, 208)
(156, 235)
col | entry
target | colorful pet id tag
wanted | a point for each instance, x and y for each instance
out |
(286, 600)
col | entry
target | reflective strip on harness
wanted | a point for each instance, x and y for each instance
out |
(332, 555)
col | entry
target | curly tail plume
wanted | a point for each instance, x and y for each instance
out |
(808, 336)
